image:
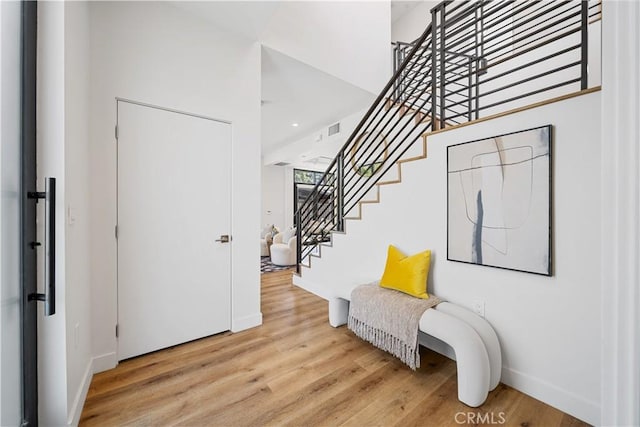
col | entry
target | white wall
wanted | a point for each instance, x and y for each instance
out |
(620, 249)
(10, 182)
(317, 144)
(412, 24)
(52, 333)
(299, 153)
(273, 194)
(330, 35)
(76, 205)
(549, 328)
(155, 53)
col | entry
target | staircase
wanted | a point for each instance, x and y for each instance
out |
(476, 60)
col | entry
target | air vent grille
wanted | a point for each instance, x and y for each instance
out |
(333, 129)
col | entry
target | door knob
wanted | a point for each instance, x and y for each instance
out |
(224, 239)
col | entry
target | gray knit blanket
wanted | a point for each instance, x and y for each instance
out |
(389, 320)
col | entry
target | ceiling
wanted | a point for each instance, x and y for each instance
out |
(294, 92)
(244, 18)
(250, 18)
(401, 8)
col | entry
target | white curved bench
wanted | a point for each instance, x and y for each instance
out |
(478, 357)
(486, 333)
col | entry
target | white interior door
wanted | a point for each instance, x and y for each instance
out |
(173, 203)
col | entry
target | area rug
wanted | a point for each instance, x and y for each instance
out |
(266, 266)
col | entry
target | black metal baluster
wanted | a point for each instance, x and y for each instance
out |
(443, 99)
(340, 190)
(584, 51)
(434, 68)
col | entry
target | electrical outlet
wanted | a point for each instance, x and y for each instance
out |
(478, 308)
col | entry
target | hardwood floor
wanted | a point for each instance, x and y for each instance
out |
(296, 370)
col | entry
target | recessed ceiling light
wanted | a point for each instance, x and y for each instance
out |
(295, 125)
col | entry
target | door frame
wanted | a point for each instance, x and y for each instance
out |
(28, 250)
(186, 113)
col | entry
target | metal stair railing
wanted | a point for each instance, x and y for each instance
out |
(474, 59)
(375, 145)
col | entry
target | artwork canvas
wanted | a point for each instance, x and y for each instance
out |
(499, 201)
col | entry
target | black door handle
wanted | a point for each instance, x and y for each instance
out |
(49, 297)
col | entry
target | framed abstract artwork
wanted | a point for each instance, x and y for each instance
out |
(499, 201)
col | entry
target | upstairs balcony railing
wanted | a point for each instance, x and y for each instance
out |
(475, 59)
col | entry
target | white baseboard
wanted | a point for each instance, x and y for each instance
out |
(311, 287)
(78, 403)
(246, 322)
(105, 362)
(550, 394)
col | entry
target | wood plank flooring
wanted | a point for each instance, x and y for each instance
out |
(295, 370)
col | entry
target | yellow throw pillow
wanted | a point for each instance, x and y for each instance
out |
(407, 274)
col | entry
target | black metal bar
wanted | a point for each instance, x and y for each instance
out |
(396, 52)
(535, 92)
(452, 82)
(457, 6)
(532, 48)
(374, 106)
(479, 54)
(524, 29)
(507, 29)
(528, 39)
(49, 297)
(313, 212)
(452, 21)
(524, 40)
(319, 225)
(50, 246)
(298, 242)
(390, 164)
(584, 53)
(389, 84)
(434, 64)
(528, 79)
(442, 65)
(28, 243)
(470, 93)
(390, 156)
(409, 106)
(368, 134)
(379, 133)
(527, 5)
(520, 39)
(309, 211)
(368, 160)
(457, 41)
(523, 66)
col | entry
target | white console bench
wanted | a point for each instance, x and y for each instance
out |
(475, 343)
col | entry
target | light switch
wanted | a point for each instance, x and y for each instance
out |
(71, 215)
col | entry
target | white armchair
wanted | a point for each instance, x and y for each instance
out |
(283, 249)
(265, 237)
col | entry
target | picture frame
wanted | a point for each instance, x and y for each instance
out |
(499, 201)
